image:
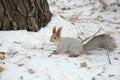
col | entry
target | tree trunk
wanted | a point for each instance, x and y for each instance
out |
(24, 14)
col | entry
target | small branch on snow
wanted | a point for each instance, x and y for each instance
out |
(108, 57)
(92, 35)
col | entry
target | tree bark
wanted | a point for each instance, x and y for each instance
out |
(24, 14)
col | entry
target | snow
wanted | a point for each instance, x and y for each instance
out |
(27, 53)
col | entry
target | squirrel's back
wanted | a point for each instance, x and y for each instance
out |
(101, 41)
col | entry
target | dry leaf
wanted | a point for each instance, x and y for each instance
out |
(92, 12)
(31, 71)
(1, 69)
(82, 33)
(116, 58)
(93, 78)
(117, 27)
(111, 75)
(29, 57)
(73, 19)
(21, 78)
(118, 52)
(110, 32)
(41, 48)
(50, 55)
(83, 64)
(88, 53)
(113, 22)
(20, 64)
(2, 55)
(17, 42)
(65, 8)
(99, 74)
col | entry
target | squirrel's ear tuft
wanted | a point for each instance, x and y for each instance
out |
(59, 31)
(54, 29)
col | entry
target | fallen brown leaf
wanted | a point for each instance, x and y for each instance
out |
(111, 75)
(1, 69)
(21, 78)
(50, 55)
(73, 19)
(110, 33)
(29, 57)
(20, 64)
(116, 58)
(93, 78)
(17, 42)
(83, 64)
(31, 71)
(2, 55)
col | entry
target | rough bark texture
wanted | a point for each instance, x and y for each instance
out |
(24, 14)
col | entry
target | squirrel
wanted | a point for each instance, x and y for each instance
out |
(74, 47)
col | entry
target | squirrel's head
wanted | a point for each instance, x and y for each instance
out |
(56, 35)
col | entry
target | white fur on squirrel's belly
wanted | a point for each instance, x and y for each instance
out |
(70, 45)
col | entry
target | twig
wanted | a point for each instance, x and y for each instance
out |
(92, 35)
(11, 54)
(108, 57)
(79, 36)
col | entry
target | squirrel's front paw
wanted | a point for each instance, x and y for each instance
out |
(55, 52)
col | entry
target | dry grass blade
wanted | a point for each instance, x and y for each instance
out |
(108, 57)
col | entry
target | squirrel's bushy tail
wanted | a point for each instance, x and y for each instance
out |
(101, 41)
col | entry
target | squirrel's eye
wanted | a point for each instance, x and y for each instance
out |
(54, 37)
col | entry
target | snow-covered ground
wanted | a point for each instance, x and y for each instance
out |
(27, 53)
